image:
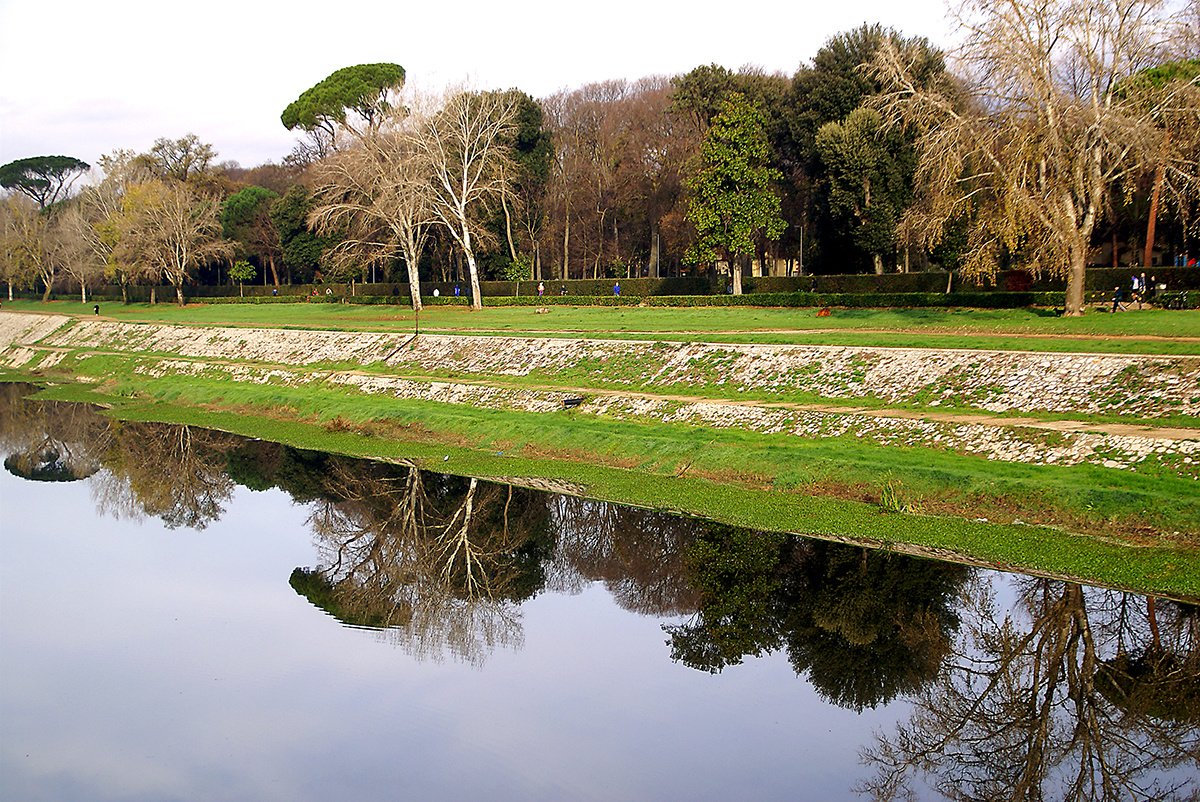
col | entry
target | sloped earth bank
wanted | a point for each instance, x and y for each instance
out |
(718, 386)
(1037, 408)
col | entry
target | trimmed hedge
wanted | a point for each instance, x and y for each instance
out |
(901, 288)
(986, 300)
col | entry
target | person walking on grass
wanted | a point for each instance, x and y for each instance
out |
(1117, 297)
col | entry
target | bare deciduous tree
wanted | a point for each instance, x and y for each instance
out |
(465, 145)
(72, 245)
(1030, 162)
(440, 568)
(22, 234)
(1042, 705)
(170, 229)
(376, 194)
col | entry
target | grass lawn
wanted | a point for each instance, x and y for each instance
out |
(1149, 331)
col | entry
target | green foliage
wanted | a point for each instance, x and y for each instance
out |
(734, 200)
(865, 625)
(242, 271)
(699, 94)
(302, 250)
(45, 179)
(363, 89)
(243, 209)
(736, 573)
(829, 91)
(519, 269)
(868, 182)
(323, 594)
(835, 85)
(1185, 71)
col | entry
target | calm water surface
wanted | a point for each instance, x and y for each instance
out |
(451, 639)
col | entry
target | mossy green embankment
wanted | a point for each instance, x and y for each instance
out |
(1110, 527)
(1131, 529)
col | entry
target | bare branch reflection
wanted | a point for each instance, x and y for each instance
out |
(49, 440)
(440, 562)
(638, 554)
(176, 473)
(1085, 695)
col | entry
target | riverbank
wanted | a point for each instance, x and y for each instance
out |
(1038, 408)
(1015, 438)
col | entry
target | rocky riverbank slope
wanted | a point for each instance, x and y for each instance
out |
(1005, 405)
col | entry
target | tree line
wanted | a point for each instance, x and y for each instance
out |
(1057, 136)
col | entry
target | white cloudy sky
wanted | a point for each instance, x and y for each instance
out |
(83, 78)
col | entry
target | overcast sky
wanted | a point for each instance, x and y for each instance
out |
(83, 78)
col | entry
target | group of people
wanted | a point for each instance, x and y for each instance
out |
(1141, 292)
(542, 289)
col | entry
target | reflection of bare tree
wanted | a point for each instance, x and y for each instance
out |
(442, 560)
(49, 440)
(176, 473)
(1029, 711)
(638, 554)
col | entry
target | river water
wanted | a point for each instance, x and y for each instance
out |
(189, 615)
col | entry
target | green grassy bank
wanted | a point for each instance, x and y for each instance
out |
(1137, 531)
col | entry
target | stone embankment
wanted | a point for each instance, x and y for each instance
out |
(951, 398)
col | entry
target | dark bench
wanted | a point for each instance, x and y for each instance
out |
(569, 403)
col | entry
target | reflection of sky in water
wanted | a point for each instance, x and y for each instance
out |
(138, 662)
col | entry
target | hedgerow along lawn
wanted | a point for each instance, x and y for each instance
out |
(1148, 331)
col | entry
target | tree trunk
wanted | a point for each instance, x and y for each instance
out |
(566, 247)
(1158, 182)
(512, 251)
(654, 267)
(736, 263)
(274, 272)
(414, 286)
(476, 297)
(1074, 300)
(179, 293)
(125, 294)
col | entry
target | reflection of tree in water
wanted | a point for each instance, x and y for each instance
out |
(1092, 697)
(49, 441)
(173, 472)
(441, 561)
(864, 625)
(638, 554)
(454, 556)
(176, 473)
